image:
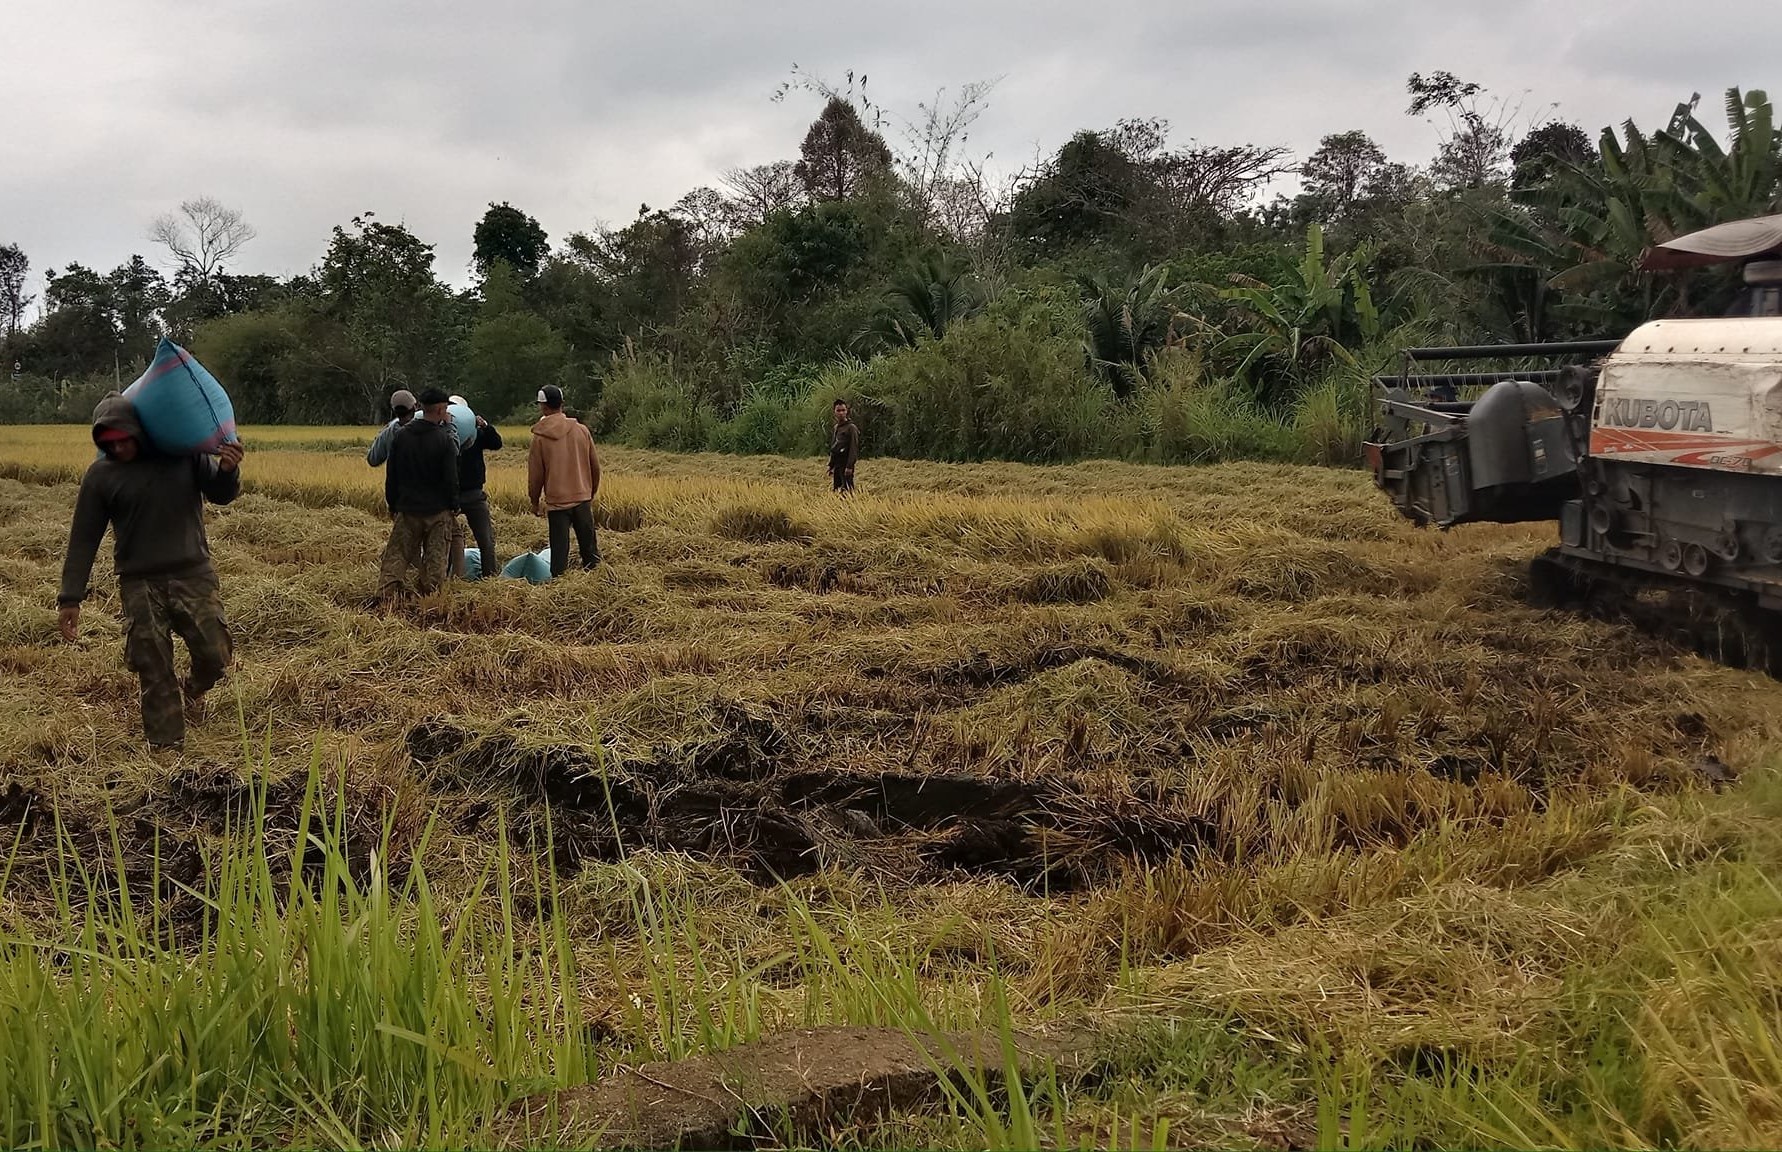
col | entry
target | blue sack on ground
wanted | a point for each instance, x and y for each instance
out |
(532, 567)
(473, 564)
(464, 420)
(182, 407)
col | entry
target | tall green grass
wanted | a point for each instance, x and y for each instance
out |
(293, 1002)
(297, 994)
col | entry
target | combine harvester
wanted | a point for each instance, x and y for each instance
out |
(1660, 456)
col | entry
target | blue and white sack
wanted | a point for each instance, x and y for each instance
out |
(464, 420)
(182, 408)
(532, 567)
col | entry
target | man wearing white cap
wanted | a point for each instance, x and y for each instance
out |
(562, 475)
(402, 408)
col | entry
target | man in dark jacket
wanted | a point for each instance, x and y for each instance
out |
(844, 449)
(473, 473)
(421, 488)
(154, 505)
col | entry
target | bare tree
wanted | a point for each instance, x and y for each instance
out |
(969, 207)
(929, 159)
(1482, 130)
(1199, 176)
(757, 193)
(707, 213)
(1223, 178)
(203, 236)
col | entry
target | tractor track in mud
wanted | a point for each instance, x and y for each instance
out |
(743, 802)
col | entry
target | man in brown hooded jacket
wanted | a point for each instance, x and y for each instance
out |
(562, 476)
(154, 506)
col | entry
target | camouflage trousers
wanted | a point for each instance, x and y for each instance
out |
(419, 542)
(155, 610)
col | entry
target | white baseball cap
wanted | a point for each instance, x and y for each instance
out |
(460, 400)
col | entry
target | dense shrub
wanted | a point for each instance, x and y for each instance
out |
(252, 353)
(1008, 385)
(509, 356)
(39, 400)
(644, 404)
(1198, 421)
(988, 389)
(1331, 420)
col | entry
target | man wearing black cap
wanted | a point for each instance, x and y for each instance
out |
(402, 410)
(562, 475)
(421, 488)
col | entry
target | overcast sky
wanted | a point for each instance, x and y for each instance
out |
(305, 112)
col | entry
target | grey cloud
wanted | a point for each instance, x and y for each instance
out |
(426, 110)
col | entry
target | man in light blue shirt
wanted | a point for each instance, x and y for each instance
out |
(402, 407)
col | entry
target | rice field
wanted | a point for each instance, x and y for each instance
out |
(1306, 818)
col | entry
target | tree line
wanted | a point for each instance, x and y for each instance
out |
(1129, 295)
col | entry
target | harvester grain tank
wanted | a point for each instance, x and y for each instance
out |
(1659, 455)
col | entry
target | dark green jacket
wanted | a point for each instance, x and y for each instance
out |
(154, 506)
(844, 447)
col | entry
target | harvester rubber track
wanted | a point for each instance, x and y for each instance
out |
(1720, 624)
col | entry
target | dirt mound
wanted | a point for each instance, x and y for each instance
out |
(142, 852)
(803, 1083)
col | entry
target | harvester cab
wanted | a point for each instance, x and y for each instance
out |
(1659, 455)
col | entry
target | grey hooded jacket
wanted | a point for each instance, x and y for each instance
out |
(154, 506)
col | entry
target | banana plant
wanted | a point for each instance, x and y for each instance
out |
(1587, 228)
(1305, 320)
(1724, 183)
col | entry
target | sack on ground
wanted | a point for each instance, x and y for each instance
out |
(182, 407)
(532, 567)
(473, 564)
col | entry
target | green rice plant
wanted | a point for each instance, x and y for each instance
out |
(1710, 1024)
(299, 998)
(1202, 421)
(697, 996)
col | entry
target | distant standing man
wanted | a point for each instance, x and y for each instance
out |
(563, 474)
(421, 488)
(473, 473)
(402, 407)
(844, 449)
(154, 505)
